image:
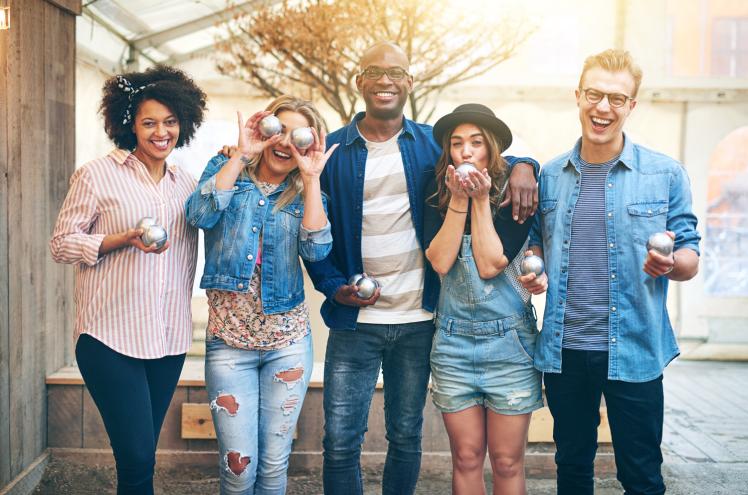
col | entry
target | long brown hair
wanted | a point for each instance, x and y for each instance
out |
(497, 170)
(288, 103)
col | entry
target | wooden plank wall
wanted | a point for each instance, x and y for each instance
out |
(37, 155)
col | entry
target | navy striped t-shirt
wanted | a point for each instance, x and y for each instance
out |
(586, 315)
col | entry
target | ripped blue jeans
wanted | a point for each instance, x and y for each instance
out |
(255, 400)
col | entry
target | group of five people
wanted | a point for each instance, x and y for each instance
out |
(381, 196)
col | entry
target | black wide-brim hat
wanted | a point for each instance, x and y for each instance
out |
(474, 113)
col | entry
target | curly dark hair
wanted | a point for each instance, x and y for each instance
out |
(167, 85)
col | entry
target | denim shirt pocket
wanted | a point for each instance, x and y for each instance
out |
(548, 210)
(646, 218)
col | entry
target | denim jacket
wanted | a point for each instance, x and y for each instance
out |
(343, 181)
(646, 192)
(233, 221)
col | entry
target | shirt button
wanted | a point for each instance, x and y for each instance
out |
(254, 229)
(235, 188)
(613, 309)
(262, 202)
(610, 184)
(649, 212)
(612, 245)
(558, 334)
(612, 275)
(250, 257)
(297, 211)
(240, 286)
(610, 214)
(613, 340)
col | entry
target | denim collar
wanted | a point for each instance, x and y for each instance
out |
(627, 158)
(352, 134)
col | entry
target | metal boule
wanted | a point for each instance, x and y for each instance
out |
(532, 264)
(270, 126)
(302, 137)
(353, 280)
(366, 287)
(660, 242)
(154, 234)
(145, 222)
(464, 170)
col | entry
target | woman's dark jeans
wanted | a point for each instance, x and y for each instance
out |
(132, 396)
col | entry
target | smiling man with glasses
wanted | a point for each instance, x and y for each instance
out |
(606, 329)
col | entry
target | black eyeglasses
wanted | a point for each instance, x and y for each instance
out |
(394, 73)
(594, 96)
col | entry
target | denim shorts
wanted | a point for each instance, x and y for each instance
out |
(487, 365)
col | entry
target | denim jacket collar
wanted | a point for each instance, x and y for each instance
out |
(627, 158)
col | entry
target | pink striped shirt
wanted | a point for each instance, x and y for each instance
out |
(137, 304)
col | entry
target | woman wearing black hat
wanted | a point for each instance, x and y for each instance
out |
(483, 379)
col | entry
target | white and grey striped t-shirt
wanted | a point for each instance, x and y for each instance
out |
(586, 315)
(389, 246)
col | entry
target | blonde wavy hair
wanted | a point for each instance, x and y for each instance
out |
(497, 170)
(614, 60)
(288, 103)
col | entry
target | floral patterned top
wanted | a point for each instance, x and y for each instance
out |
(237, 318)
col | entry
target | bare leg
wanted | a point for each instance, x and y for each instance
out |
(467, 440)
(507, 438)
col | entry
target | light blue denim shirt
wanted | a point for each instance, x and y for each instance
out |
(646, 192)
(233, 222)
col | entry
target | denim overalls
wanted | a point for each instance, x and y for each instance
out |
(485, 341)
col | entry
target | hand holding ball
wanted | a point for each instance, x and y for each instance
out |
(270, 126)
(532, 264)
(302, 137)
(153, 233)
(661, 243)
(366, 285)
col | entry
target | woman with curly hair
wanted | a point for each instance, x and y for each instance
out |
(260, 209)
(133, 316)
(482, 374)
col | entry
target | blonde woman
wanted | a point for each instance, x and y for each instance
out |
(260, 210)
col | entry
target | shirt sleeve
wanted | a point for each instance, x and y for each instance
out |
(432, 219)
(71, 241)
(512, 234)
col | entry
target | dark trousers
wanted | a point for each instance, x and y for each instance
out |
(352, 366)
(132, 396)
(635, 414)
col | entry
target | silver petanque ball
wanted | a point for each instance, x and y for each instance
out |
(532, 264)
(302, 137)
(154, 234)
(660, 242)
(270, 126)
(464, 170)
(366, 287)
(353, 280)
(145, 222)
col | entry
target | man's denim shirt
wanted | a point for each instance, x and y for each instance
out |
(233, 222)
(646, 192)
(343, 181)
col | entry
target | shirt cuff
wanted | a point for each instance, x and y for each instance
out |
(90, 245)
(221, 198)
(319, 236)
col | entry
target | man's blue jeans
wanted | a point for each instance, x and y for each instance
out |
(352, 364)
(635, 415)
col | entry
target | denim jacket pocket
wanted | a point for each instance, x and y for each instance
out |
(290, 218)
(647, 217)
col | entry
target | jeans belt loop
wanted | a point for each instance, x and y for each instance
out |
(450, 321)
(500, 327)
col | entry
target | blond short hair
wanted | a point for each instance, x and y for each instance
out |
(614, 60)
